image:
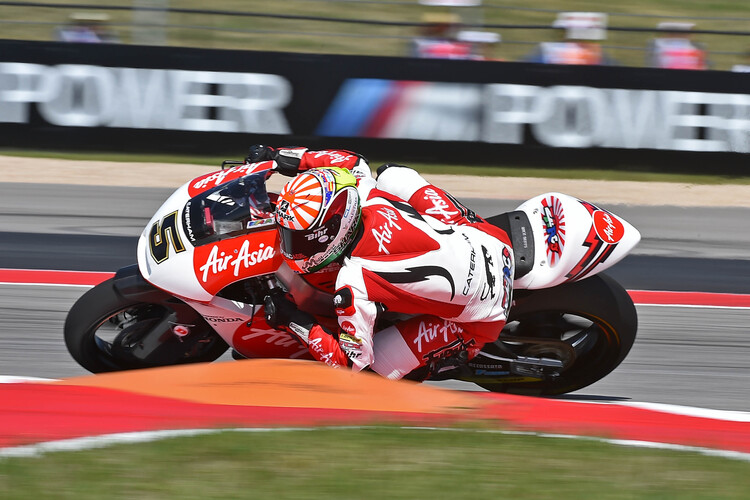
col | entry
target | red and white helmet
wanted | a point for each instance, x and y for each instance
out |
(317, 215)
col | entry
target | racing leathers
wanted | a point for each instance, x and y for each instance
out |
(421, 253)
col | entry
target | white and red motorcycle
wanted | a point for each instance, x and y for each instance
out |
(209, 256)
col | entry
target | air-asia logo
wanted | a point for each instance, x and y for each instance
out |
(213, 179)
(348, 327)
(608, 228)
(333, 157)
(605, 232)
(385, 235)
(218, 262)
(554, 228)
(221, 176)
(435, 329)
(440, 207)
(275, 338)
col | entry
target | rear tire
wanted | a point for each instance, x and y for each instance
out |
(105, 331)
(596, 315)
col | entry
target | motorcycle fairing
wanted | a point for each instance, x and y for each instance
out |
(573, 239)
(222, 263)
(225, 233)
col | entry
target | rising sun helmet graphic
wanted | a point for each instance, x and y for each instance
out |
(318, 214)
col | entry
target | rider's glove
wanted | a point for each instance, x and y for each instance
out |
(283, 314)
(259, 152)
(287, 159)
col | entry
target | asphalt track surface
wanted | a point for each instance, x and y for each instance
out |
(695, 356)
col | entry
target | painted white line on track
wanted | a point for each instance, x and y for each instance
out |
(11, 379)
(692, 306)
(682, 410)
(692, 411)
(93, 442)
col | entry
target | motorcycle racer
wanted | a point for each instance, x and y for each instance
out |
(403, 246)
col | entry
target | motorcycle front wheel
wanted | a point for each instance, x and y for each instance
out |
(106, 331)
(595, 317)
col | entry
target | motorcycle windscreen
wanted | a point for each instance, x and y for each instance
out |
(229, 210)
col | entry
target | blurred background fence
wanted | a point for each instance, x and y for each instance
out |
(179, 77)
(383, 27)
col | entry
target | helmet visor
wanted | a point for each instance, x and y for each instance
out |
(303, 244)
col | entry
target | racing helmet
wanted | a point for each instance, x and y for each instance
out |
(317, 215)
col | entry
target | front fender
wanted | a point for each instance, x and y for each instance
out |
(131, 285)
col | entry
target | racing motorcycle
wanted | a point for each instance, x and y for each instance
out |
(209, 257)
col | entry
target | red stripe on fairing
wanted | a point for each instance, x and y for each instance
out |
(652, 297)
(645, 297)
(45, 276)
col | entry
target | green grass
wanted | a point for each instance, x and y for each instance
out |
(624, 174)
(372, 463)
(237, 32)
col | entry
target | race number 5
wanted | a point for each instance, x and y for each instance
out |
(162, 233)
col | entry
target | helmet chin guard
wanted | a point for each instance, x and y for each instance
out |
(317, 216)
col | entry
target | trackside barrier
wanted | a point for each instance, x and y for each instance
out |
(194, 101)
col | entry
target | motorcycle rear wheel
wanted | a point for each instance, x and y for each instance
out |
(105, 331)
(596, 316)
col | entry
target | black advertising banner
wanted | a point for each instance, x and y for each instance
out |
(194, 101)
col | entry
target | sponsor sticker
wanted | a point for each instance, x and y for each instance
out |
(221, 319)
(384, 233)
(472, 267)
(440, 207)
(608, 228)
(348, 327)
(553, 219)
(218, 262)
(181, 330)
(437, 329)
(224, 262)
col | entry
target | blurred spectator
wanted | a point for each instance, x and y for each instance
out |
(583, 32)
(87, 27)
(743, 68)
(482, 44)
(675, 49)
(438, 39)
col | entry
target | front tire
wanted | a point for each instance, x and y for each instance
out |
(595, 316)
(106, 331)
